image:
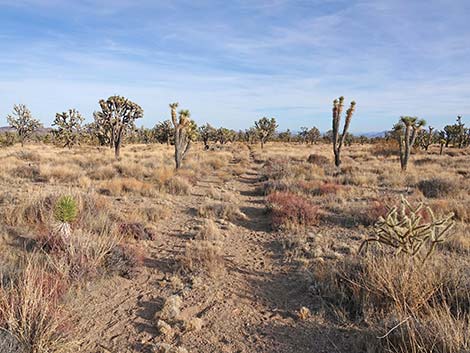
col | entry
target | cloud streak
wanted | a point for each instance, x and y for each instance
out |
(231, 64)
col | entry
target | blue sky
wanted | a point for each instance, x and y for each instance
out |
(231, 62)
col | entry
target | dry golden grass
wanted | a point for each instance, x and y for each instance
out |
(222, 210)
(31, 309)
(411, 307)
(372, 293)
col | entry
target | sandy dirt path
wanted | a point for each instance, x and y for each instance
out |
(249, 307)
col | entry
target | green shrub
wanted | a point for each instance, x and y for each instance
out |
(66, 210)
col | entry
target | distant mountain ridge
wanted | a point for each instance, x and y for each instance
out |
(370, 134)
(40, 131)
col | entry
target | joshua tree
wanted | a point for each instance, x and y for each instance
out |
(429, 138)
(285, 136)
(460, 129)
(185, 133)
(313, 135)
(22, 121)
(265, 128)
(457, 134)
(224, 135)
(117, 116)
(164, 132)
(68, 127)
(207, 133)
(424, 139)
(249, 135)
(406, 131)
(442, 143)
(338, 140)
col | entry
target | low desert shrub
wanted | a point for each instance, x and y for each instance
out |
(28, 171)
(122, 186)
(137, 231)
(404, 307)
(368, 215)
(82, 255)
(328, 189)
(385, 149)
(31, 309)
(277, 169)
(271, 186)
(34, 211)
(63, 173)
(203, 255)
(223, 210)
(438, 188)
(28, 156)
(123, 260)
(291, 210)
(209, 231)
(177, 186)
(318, 159)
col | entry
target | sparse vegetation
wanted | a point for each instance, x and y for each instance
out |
(122, 238)
(22, 121)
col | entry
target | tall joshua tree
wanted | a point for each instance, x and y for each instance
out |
(23, 122)
(337, 138)
(406, 131)
(460, 129)
(118, 115)
(185, 132)
(68, 127)
(429, 138)
(265, 129)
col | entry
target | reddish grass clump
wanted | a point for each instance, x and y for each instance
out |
(328, 188)
(291, 210)
(31, 309)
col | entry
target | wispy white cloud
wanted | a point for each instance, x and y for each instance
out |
(230, 64)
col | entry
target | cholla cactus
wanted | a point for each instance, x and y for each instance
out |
(405, 230)
(65, 212)
(338, 139)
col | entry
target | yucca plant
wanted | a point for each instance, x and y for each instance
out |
(65, 212)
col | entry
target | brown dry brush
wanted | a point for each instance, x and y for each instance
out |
(32, 309)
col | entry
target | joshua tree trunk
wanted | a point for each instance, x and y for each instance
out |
(429, 138)
(116, 140)
(407, 139)
(405, 149)
(182, 139)
(338, 139)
